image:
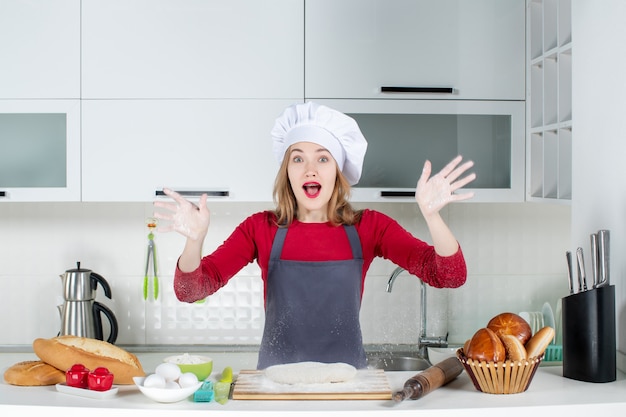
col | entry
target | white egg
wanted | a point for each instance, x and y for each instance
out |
(188, 379)
(172, 385)
(154, 381)
(169, 371)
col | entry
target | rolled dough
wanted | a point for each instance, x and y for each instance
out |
(310, 373)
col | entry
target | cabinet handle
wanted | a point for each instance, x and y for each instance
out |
(3, 193)
(397, 193)
(210, 193)
(444, 90)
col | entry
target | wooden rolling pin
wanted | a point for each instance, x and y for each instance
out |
(432, 378)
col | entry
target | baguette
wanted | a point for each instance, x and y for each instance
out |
(64, 351)
(33, 373)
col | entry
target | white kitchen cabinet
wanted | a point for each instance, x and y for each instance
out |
(40, 49)
(402, 134)
(39, 150)
(133, 148)
(476, 48)
(549, 101)
(192, 49)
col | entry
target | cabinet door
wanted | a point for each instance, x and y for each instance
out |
(133, 148)
(40, 49)
(402, 134)
(356, 47)
(192, 49)
(39, 150)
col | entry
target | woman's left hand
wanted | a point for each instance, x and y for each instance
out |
(433, 193)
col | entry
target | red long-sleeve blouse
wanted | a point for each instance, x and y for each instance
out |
(380, 235)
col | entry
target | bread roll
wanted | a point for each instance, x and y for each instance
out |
(539, 342)
(486, 346)
(515, 351)
(33, 373)
(64, 351)
(511, 323)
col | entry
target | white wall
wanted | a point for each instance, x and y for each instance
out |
(514, 254)
(599, 112)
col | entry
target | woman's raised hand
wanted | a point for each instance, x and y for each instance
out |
(433, 193)
(183, 216)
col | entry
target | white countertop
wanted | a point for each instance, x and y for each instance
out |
(549, 392)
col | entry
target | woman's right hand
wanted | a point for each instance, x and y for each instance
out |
(183, 216)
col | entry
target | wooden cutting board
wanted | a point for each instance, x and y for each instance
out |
(369, 384)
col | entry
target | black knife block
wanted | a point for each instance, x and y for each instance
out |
(589, 345)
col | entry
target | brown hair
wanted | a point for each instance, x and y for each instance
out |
(340, 211)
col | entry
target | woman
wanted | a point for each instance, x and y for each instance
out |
(314, 249)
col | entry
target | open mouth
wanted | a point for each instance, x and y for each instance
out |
(312, 189)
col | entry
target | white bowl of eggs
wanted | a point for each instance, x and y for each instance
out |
(168, 384)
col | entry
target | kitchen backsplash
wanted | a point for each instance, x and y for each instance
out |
(515, 256)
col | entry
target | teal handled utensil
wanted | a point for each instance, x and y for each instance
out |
(151, 255)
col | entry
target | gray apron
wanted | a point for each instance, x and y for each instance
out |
(312, 308)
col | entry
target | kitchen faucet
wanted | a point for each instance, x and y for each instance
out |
(423, 342)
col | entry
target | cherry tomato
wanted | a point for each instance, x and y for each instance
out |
(100, 379)
(77, 376)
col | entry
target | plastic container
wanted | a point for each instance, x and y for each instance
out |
(553, 353)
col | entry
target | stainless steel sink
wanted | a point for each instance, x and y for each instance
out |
(397, 363)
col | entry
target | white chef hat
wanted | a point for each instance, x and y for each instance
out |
(311, 122)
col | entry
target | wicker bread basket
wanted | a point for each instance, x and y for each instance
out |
(509, 377)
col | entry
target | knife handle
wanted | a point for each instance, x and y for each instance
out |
(570, 272)
(582, 280)
(594, 259)
(603, 257)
